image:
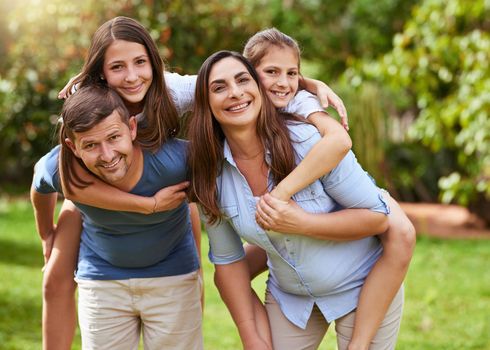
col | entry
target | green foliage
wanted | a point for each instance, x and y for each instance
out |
(43, 43)
(438, 69)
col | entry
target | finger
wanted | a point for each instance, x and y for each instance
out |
(265, 210)
(180, 186)
(272, 201)
(324, 101)
(261, 222)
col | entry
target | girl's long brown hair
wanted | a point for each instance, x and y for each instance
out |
(207, 139)
(161, 118)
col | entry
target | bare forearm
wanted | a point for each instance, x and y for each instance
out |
(344, 225)
(44, 208)
(233, 284)
(320, 160)
(196, 226)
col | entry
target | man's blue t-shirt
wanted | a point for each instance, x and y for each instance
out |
(121, 245)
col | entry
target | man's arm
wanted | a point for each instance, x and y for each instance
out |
(44, 208)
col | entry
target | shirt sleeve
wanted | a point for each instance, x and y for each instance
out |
(304, 104)
(182, 89)
(350, 186)
(225, 245)
(46, 175)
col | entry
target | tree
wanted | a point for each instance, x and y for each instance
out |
(439, 69)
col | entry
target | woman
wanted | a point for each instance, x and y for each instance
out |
(240, 148)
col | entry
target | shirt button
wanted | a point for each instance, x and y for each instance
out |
(312, 193)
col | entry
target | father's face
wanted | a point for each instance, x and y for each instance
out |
(107, 149)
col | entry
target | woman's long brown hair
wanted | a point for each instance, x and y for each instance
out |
(207, 139)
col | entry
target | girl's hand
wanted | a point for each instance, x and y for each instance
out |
(170, 197)
(328, 97)
(66, 91)
(280, 216)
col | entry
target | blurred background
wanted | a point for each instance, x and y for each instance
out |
(414, 76)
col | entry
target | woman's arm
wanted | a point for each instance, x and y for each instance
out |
(102, 195)
(234, 287)
(342, 225)
(321, 159)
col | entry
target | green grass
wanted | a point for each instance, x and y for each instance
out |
(447, 293)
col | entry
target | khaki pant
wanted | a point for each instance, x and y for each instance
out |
(287, 336)
(167, 310)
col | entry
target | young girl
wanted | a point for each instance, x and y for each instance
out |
(276, 58)
(120, 54)
(240, 147)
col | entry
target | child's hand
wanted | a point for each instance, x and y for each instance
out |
(328, 97)
(280, 216)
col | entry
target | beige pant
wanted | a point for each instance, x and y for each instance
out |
(167, 310)
(287, 336)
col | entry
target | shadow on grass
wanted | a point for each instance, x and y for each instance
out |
(12, 252)
(20, 322)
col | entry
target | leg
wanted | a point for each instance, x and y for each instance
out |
(386, 277)
(170, 311)
(107, 316)
(287, 336)
(59, 310)
(387, 333)
(256, 259)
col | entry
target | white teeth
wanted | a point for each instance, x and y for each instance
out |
(237, 107)
(280, 94)
(111, 165)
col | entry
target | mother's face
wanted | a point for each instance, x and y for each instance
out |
(234, 96)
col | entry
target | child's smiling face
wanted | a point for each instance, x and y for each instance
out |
(279, 73)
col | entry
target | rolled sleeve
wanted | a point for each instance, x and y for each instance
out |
(46, 178)
(225, 245)
(304, 104)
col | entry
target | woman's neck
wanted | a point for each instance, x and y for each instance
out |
(244, 144)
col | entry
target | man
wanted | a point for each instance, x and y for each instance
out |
(135, 272)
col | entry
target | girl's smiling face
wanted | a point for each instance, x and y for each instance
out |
(127, 69)
(279, 74)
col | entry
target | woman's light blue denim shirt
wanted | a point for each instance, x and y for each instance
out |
(302, 270)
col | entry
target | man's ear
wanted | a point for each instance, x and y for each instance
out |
(72, 147)
(133, 127)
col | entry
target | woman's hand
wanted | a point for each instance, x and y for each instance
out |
(280, 216)
(170, 197)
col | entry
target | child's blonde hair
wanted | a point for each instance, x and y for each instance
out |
(257, 46)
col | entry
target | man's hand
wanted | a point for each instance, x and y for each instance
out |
(47, 244)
